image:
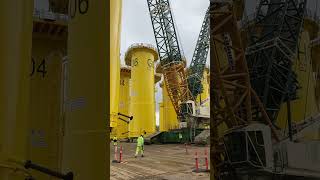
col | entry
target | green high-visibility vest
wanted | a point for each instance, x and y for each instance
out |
(140, 141)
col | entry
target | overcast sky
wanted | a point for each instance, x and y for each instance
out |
(137, 27)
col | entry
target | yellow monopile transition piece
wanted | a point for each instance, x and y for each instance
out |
(46, 104)
(141, 57)
(169, 119)
(85, 151)
(124, 103)
(115, 32)
(122, 129)
(15, 60)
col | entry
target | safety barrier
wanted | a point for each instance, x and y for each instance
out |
(197, 169)
(206, 159)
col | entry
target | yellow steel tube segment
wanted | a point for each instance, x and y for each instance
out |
(115, 30)
(46, 103)
(169, 114)
(85, 136)
(15, 57)
(162, 125)
(141, 57)
(164, 121)
(124, 103)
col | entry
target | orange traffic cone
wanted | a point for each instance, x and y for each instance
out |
(115, 160)
(197, 163)
(206, 160)
(120, 159)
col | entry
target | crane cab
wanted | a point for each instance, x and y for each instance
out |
(191, 108)
(249, 147)
(188, 108)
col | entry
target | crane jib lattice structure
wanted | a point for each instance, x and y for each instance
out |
(234, 102)
(272, 51)
(171, 59)
(199, 58)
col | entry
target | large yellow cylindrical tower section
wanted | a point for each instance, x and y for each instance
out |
(161, 121)
(141, 57)
(85, 151)
(124, 103)
(46, 102)
(169, 114)
(115, 32)
(15, 60)
(203, 98)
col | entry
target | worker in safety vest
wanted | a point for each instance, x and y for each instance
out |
(180, 137)
(140, 146)
(115, 142)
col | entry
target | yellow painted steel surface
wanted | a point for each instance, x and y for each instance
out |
(206, 89)
(115, 31)
(15, 56)
(124, 103)
(169, 119)
(305, 106)
(142, 98)
(208, 79)
(46, 103)
(162, 124)
(85, 151)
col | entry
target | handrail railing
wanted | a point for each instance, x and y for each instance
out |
(139, 45)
